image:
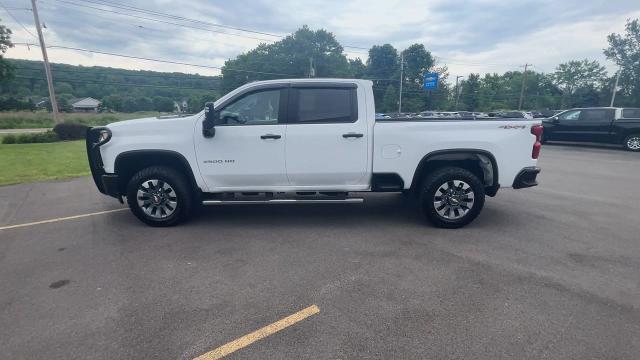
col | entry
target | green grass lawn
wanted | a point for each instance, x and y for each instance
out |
(21, 163)
(43, 119)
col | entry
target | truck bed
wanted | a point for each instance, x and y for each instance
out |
(401, 142)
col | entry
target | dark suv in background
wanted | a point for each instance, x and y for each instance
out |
(599, 125)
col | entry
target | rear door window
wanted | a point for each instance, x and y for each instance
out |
(631, 113)
(596, 115)
(324, 105)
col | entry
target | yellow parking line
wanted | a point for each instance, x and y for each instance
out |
(259, 334)
(58, 219)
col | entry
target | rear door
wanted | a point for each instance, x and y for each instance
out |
(595, 125)
(327, 137)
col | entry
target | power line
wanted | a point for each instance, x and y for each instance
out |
(176, 17)
(502, 96)
(16, 20)
(116, 73)
(155, 60)
(136, 25)
(162, 21)
(117, 84)
(181, 18)
(151, 12)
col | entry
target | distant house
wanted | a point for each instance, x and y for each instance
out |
(182, 106)
(42, 102)
(85, 105)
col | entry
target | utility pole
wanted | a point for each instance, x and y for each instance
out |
(524, 78)
(47, 67)
(615, 88)
(401, 78)
(312, 70)
(457, 91)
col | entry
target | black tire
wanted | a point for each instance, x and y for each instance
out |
(178, 192)
(632, 142)
(461, 214)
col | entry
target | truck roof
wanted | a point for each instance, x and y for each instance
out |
(309, 80)
(359, 82)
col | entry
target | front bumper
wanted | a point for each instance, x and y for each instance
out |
(106, 183)
(526, 177)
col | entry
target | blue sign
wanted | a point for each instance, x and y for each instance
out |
(430, 81)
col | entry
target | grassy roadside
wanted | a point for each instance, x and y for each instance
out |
(35, 162)
(42, 119)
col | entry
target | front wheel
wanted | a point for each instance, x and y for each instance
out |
(632, 142)
(159, 196)
(451, 197)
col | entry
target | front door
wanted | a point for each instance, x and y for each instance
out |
(327, 137)
(248, 149)
(566, 126)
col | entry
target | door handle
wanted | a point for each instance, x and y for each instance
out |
(352, 135)
(270, 136)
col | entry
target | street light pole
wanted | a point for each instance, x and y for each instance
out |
(457, 91)
(615, 88)
(524, 78)
(401, 77)
(47, 67)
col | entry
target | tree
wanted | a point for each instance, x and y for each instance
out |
(390, 100)
(417, 61)
(305, 53)
(470, 93)
(625, 51)
(6, 70)
(163, 104)
(382, 62)
(357, 68)
(574, 74)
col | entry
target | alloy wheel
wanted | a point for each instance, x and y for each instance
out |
(633, 143)
(453, 199)
(157, 199)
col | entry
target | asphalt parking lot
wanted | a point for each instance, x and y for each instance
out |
(550, 272)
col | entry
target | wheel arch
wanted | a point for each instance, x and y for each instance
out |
(130, 162)
(480, 162)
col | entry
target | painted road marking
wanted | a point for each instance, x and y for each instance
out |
(59, 219)
(259, 334)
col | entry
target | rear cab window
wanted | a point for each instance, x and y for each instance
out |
(320, 105)
(597, 115)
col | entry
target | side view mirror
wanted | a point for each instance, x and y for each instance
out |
(555, 120)
(208, 124)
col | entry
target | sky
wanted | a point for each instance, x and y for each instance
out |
(482, 36)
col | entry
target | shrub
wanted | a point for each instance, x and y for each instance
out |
(44, 137)
(9, 139)
(70, 131)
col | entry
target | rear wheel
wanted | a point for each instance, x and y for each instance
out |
(159, 196)
(632, 142)
(451, 197)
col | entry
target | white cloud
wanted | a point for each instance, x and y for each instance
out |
(544, 48)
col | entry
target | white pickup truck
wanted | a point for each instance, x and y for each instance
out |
(309, 141)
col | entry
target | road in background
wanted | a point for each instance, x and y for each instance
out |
(548, 272)
(22, 131)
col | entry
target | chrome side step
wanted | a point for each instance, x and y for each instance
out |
(283, 201)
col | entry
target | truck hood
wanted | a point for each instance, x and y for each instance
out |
(153, 124)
